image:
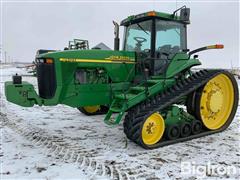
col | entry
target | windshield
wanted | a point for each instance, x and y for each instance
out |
(170, 36)
(138, 36)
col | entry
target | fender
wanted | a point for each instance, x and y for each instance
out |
(179, 63)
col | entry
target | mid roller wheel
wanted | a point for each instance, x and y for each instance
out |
(173, 132)
(185, 129)
(196, 126)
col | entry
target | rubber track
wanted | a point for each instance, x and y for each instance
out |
(135, 117)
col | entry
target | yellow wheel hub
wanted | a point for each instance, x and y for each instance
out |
(91, 109)
(216, 101)
(153, 129)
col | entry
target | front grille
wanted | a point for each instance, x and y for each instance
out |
(46, 79)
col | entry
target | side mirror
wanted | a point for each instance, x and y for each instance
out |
(185, 14)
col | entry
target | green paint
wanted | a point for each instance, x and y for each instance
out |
(176, 115)
(22, 94)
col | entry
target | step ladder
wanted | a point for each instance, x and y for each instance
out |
(133, 96)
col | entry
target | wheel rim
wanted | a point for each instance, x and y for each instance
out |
(91, 109)
(153, 129)
(216, 102)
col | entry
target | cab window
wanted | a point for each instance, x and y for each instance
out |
(170, 36)
(138, 36)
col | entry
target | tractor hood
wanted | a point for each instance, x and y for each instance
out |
(74, 78)
(90, 56)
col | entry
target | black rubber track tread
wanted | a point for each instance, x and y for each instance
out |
(190, 103)
(136, 116)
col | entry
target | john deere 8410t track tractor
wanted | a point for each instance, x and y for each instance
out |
(150, 81)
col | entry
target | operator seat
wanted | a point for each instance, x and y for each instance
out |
(161, 62)
(174, 50)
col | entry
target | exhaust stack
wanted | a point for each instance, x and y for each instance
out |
(116, 36)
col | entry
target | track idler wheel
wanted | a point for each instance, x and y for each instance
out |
(185, 129)
(145, 131)
(173, 132)
(196, 126)
(152, 129)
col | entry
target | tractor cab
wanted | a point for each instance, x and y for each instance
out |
(156, 37)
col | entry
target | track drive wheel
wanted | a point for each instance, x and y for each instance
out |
(217, 101)
(93, 110)
(144, 131)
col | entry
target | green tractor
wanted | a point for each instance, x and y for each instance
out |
(150, 82)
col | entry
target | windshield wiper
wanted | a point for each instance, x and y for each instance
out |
(142, 29)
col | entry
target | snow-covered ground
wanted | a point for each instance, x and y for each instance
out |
(23, 157)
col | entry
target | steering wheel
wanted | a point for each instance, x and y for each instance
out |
(140, 40)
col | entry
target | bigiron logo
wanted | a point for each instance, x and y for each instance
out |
(208, 170)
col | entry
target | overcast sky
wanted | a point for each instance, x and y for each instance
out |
(29, 26)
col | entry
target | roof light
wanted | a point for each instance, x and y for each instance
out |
(151, 13)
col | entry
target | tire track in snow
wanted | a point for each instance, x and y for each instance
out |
(63, 151)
